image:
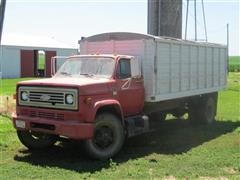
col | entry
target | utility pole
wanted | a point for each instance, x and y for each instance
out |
(2, 12)
(186, 24)
(227, 36)
(228, 46)
(204, 19)
(195, 15)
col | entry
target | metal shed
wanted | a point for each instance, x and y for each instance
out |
(19, 55)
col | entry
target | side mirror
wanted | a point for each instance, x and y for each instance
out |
(55, 63)
(53, 66)
(135, 67)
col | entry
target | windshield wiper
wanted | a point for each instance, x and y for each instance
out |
(65, 73)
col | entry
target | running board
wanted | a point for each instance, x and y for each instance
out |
(137, 125)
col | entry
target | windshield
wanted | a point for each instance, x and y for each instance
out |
(87, 66)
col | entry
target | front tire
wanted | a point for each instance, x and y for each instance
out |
(108, 137)
(36, 140)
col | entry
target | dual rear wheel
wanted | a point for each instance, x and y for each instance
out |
(201, 110)
(204, 110)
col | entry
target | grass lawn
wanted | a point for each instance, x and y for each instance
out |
(175, 149)
(8, 86)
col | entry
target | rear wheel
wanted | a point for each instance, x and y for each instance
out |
(209, 111)
(193, 113)
(178, 113)
(159, 116)
(204, 110)
(108, 137)
(36, 140)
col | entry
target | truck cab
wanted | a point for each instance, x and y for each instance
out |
(89, 98)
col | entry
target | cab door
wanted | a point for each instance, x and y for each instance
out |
(130, 89)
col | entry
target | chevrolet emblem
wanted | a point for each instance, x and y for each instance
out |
(45, 97)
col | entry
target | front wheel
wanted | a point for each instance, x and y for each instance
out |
(36, 140)
(108, 137)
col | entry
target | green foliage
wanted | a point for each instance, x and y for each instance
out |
(174, 150)
(234, 59)
(234, 64)
(41, 61)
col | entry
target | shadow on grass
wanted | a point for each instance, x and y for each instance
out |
(171, 137)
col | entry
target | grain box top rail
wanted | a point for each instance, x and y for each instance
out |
(121, 36)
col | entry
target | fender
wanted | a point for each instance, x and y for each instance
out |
(98, 104)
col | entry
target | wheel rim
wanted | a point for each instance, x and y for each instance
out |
(103, 137)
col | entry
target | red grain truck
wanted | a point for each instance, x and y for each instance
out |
(108, 92)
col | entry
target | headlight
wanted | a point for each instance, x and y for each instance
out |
(24, 96)
(69, 99)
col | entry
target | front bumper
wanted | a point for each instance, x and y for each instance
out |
(68, 128)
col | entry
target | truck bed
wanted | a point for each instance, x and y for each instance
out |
(172, 68)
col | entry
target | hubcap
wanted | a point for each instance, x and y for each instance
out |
(103, 137)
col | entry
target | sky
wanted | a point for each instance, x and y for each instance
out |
(68, 20)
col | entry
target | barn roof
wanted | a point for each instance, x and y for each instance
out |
(32, 41)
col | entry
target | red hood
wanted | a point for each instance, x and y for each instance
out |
(55, 81)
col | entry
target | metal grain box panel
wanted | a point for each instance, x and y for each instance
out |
(189, 69)
(172, 68)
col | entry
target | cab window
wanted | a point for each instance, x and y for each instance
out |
(124, 69)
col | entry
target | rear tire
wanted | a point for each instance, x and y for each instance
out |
(36, 140)
(209, 111)
(178, 113)
(158, 116)
(108, 137)
(203, 111)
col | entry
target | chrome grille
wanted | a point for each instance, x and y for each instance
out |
(48, 97)
(35, 96)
